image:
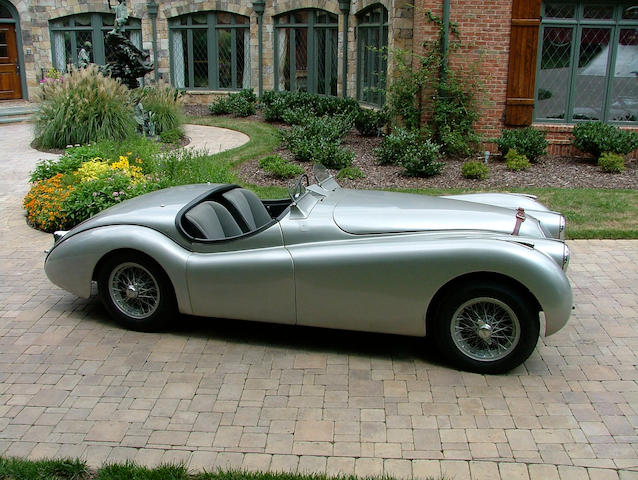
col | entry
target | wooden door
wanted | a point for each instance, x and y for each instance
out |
(10, 87)
(522, 65)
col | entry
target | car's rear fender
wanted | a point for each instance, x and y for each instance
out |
(72, 264)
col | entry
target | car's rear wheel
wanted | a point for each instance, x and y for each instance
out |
(136, 292)
(486, 328)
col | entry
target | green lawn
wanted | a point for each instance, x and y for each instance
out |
(18, 469)
(590, 213)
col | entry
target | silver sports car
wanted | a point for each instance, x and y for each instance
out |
(471, 271)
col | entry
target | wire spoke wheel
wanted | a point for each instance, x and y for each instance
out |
(134, 290)
(485, 329)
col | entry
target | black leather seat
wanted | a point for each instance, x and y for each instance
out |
(213, 220)
(249, 207)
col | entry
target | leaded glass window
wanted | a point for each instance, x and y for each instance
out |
(588, 65)
(69, 34)
(306, 51)
(372, 40)
(210, 50)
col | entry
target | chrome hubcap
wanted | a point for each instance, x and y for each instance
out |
(134, 290)
(485, 329)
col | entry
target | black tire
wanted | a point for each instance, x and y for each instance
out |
(136, 292)
(486, 328)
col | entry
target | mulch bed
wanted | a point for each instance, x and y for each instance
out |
(566, 172)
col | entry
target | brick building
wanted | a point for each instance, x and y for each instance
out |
(551, 63)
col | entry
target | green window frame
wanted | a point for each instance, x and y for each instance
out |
(210, 51)
(372, 65)
(68, 35)
(306, 43)
(587, 68)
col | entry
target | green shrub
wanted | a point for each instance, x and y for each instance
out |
(85, 107)
(220, 106)
(48, 168)
(319, 150)
(526, 141)
(475, 169)
(165, 103)
(241, 107)
(173, 135)
(280, 167)
(275, 104)
(370, 122)
(297, 116)
(395, 145)
(241, 104)
(598, 138)
(611, 163)
(351, 173)
(325, 129)
(422, 159)
(336, 157)
(516, 161)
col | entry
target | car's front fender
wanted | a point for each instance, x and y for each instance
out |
(71, 263)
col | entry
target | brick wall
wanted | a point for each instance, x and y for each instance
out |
(484, 32)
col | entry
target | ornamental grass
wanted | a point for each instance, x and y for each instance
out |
(86, 107)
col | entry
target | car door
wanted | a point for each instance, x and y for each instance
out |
(355, 282)
(248, 278)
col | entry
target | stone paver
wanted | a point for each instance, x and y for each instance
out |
(267, 397)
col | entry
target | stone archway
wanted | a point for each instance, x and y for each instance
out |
(12, 82)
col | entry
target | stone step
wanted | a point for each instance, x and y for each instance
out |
(14, 119)
(16, 113)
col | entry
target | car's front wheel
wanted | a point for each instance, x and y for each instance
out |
(486, 328)
(136, 292)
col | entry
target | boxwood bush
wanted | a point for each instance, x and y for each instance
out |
(370, 122)
(597, 138)
(422, 159)
(516, 161)
(611, 163)
(275, 104)
(241, 104)
(527, 141)
(395, 145)
(475, 170)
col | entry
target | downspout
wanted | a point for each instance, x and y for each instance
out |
(344, 6)
(152, 7)
(259, 6)
(445, 39)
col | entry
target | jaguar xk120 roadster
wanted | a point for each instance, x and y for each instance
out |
(472, 271)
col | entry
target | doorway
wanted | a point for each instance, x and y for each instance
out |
(10, 75)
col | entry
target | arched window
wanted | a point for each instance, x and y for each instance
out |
(210, 50)
(4, 12)
(372, 39)
(306, 51)
(68, 35)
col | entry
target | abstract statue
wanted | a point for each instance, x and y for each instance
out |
(124, 60)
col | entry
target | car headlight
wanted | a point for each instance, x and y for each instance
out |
(561, 232)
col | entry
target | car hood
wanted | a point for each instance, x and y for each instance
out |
(368, 212)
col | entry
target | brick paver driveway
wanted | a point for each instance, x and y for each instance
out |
(258, 396)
